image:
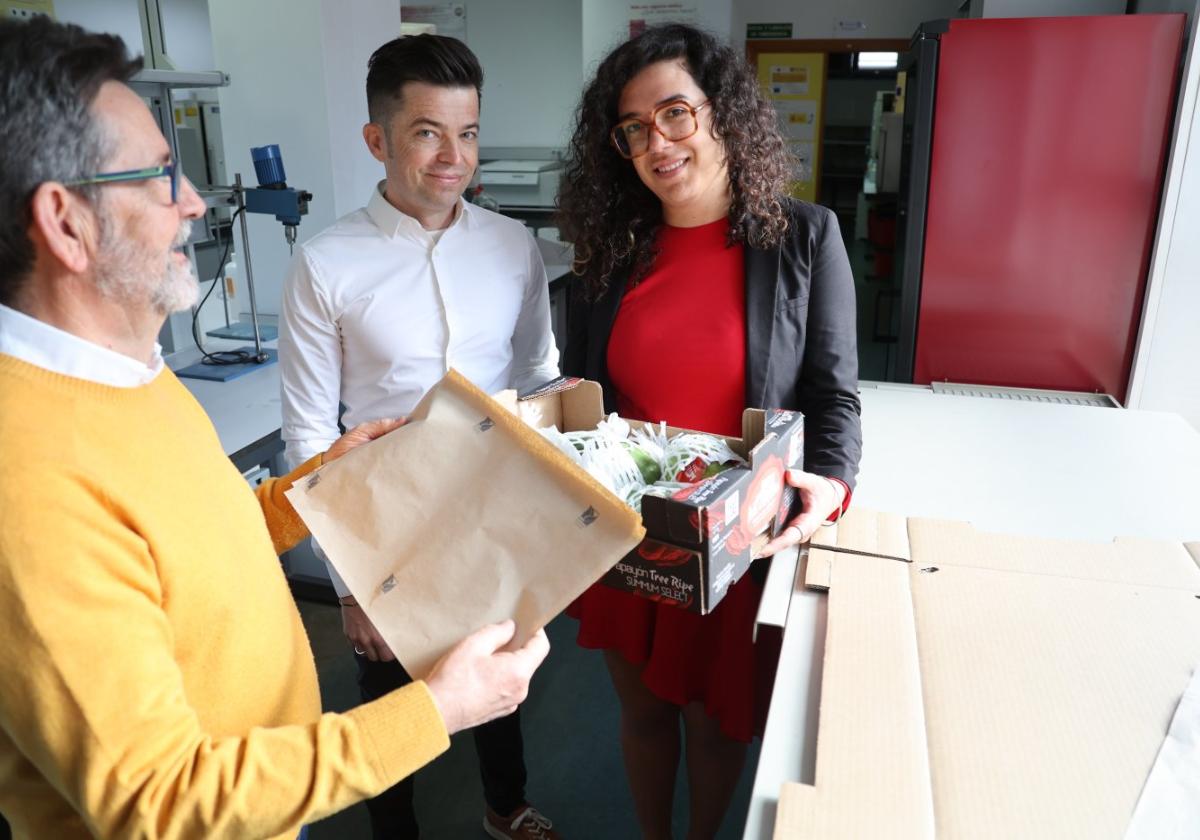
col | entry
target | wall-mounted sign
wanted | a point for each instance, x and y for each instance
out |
(642, 15)
(768, 30)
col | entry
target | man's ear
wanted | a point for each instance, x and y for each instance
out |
(376, 141)
(64, 225)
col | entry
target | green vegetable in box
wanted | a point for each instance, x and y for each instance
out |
(644, 461)
(692, 457)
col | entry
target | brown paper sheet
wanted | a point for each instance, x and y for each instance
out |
(462, 517)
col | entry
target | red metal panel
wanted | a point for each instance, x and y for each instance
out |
(1049, 145)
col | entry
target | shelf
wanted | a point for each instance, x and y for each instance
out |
(180, 79)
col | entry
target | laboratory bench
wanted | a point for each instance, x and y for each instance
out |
(245, 411)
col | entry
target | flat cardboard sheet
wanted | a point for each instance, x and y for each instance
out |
(1047, 673)
(462, 517)
(860, 532)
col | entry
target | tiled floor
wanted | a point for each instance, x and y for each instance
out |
(570, 724)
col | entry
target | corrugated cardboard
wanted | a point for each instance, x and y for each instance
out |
(462, 517)
(702, 540)
(1047, 673)
(858, 532)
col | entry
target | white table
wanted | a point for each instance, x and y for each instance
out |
(245, 411)
(1062, 471)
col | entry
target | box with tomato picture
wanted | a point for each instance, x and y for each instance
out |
(701, 539)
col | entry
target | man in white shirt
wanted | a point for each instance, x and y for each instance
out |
(380, 305)
(140, 696)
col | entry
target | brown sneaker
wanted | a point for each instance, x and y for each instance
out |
(525, 823)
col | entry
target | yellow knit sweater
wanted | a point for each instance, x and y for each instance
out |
(155, 679)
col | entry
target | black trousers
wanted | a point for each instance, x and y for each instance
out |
(498, 744)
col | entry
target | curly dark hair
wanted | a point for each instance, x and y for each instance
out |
(606, 210)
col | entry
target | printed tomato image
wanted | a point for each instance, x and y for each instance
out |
(738, 541)
(762, 496)
(663, 555)
(716, 520)
(795, 456)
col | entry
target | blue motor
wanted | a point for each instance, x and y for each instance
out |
(268, 166)
(272, 195)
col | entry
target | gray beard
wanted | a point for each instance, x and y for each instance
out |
(127, 274)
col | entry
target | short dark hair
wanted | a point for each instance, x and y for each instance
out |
(50, 74)
(604, 208)
(433, 59)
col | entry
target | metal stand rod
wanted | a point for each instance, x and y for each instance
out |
(259, 355)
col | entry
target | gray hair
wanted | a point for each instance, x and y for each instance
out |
(49, 75)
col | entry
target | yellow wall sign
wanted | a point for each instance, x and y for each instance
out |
(795, 84)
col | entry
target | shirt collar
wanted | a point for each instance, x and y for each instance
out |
(58, 351)
(392, 222)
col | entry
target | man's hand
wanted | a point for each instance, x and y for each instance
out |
(361, 434)
(363, 635)
(820, 497)
(476, 681)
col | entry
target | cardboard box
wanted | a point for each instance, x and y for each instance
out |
(991, 685)
(700, 541)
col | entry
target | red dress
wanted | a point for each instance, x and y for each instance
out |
(678, 353)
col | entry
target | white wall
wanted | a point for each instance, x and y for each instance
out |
(1166, 370)
(538, 54)
(303, 88)
(606, 25)
(350, 33)
(883, 18)
(529, 50)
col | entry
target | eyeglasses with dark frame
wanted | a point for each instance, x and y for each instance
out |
(675, 120)
(166, 170)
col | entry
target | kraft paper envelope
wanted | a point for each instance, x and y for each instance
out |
(462, 517)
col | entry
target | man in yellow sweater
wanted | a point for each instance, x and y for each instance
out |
(139, 696)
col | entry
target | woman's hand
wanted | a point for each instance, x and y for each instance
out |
(363, 636)
(360, 434)
(820, 497)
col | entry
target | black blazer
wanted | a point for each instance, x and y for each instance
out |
(801, 339)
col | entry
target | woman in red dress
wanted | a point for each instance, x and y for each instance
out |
(703, 289)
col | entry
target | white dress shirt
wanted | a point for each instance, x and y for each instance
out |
(376, 309)
(58, 351)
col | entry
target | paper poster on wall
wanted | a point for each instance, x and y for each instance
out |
(787, 80)
(797, 118)
(450, 19)
(642, 15)
(795, 84)
(802, 152)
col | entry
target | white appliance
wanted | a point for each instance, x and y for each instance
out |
(521, 183)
